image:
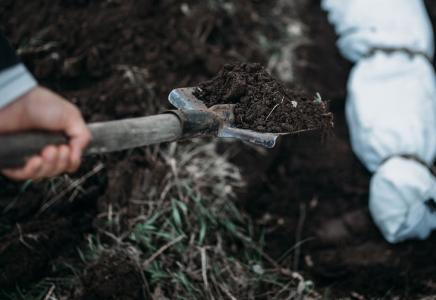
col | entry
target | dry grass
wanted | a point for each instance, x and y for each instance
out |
(191, 241)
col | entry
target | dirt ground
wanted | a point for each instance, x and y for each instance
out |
(326, 189)
(118, 59)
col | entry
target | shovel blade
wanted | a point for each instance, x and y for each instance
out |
(267, 140)
(183, 98)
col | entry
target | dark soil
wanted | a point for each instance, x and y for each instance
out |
(112, 278)
(27, 251)
(326, 188)
(262, 103)
(30, 246)
(113, 59)
(118, 59)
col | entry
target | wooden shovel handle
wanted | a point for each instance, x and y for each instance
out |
(16, 149)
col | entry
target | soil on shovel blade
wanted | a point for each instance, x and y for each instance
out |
(262, 103)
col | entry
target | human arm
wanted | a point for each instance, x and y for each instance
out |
(26, 106)
(391, 108)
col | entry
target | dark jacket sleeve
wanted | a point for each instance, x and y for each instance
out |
(15, 79)
(7, 54)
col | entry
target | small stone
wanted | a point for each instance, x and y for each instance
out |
(258, 269)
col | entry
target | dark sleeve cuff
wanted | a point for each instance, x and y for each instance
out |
(8, 58)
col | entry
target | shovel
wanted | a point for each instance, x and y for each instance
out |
(192, 119)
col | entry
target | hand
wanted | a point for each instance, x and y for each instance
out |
(42, 109)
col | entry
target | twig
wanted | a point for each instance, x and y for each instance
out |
(226, 290)
(286, 287)
(118, 240)
(50, 292)
(175, 241)
(207, 31)
(303, 130)
(72, 186)
(274, 108)
(272, 111)
(218, 291)
(301, 286)
(145, 287)
(292, 295)
(73, 279)
(357, 296)
(176, 176)
(298, 235)
(204, 268)
(272, 261)
(22, 238)
(73, 195)
(42, 48)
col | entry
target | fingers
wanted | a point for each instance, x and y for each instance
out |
(63, 162)
(50, 156)
(45, 110)
(55, 161)
(30, 170)
(52, 162)
(80, 137)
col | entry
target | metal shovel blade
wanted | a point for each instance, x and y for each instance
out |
(184, 99)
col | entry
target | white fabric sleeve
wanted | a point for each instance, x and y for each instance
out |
(391, 107)
(395, 189)
(365, 24)
(14, 82)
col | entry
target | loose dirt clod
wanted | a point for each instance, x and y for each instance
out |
(262, 103)
(112, 278)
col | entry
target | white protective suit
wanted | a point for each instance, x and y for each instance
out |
(391, 107)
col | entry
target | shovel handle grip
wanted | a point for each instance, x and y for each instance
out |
(17, 148)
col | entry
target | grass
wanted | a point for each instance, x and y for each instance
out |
(191, 239)
(318, 98)
(194, 242)
(36, 292)
(43, 290)
(14, 201)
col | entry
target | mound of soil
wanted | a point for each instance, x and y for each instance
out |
(262, 103)
(112, 278)
(26, 253)
(32, 246)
